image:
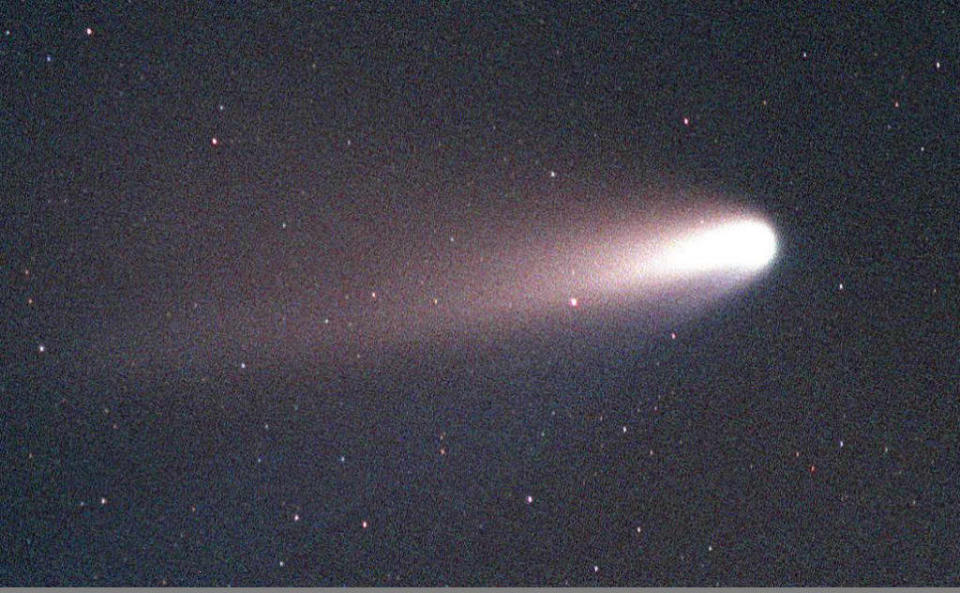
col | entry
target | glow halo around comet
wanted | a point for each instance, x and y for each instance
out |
(719, 250)
(738, 246)
(644, 274)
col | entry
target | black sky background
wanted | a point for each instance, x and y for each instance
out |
(800, 431)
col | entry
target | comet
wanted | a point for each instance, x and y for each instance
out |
(640, 269)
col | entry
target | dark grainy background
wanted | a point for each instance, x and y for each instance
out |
(188, 191)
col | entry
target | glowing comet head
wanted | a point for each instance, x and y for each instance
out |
(739, 246)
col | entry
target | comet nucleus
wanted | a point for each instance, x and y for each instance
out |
(739, 246)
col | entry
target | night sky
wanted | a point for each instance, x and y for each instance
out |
(324, 294)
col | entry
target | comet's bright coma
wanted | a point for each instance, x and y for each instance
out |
(744, 245)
